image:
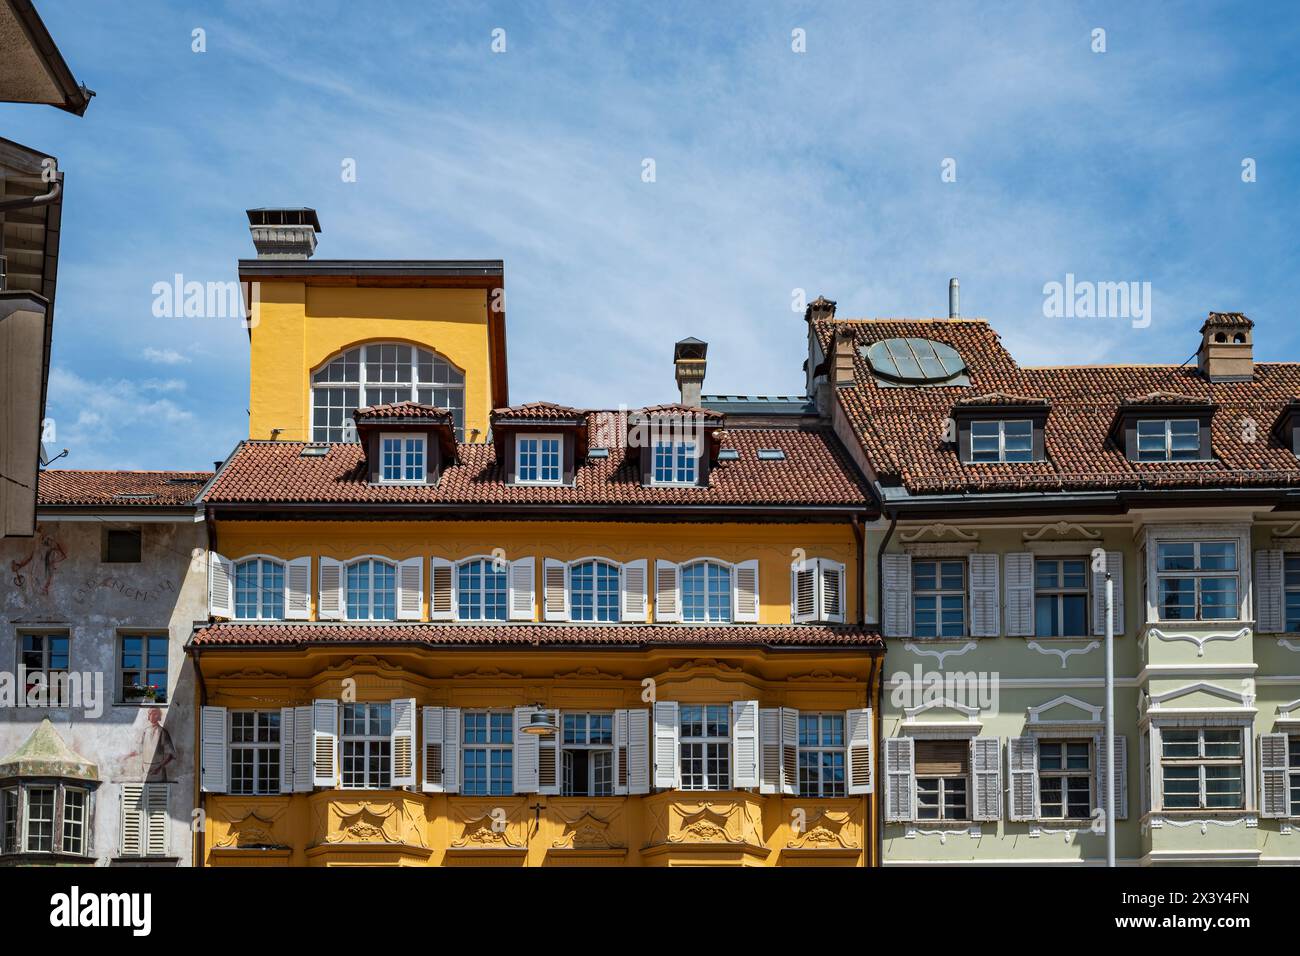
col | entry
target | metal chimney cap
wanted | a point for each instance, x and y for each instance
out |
(284, 216)
(690, 348)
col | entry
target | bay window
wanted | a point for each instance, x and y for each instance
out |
(821, 755)
(1197, 580)
(704, 735)
(255, 751)
(367, 746)
(587, 755)
(1203, 768)
(488, 753)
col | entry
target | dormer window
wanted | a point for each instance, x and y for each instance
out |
(675, 463)
(1002, 440)
(403, 458)
(539, 459)
(998, 428)
(1169, 439)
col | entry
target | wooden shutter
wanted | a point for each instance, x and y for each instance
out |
(665, 755)
(1020, 594)
(555, 581)
(441, 605)
(523, 589)
(1115, 565)
(857, 735)
(329, 602)
(1270, 601)
(803, 592)
(221, 586)
(897, 583)
(900, 779)
(1120, 788)
(525, 753)
(1022, 763)
(297, 589)
(286, 749)
(985, 596)
(401, 739)
(451, 750)
(668, 589)
(1274, 783)
(634, 594)
(303, 747)
(638, 750)
(986, 778)
(746, 601)
(831, 591)
(212, 774)
(789, 751)
(157, 821)
(132, 819)
(548, 758)
(432, 730)
(410, 590)
(769, 750)
(744, 744)
(325, 739)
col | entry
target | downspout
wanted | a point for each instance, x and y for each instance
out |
(26, 202)
(861, 538)
(881, 779)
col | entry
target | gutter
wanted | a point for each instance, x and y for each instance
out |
(26, 202)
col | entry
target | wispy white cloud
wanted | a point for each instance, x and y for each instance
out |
(165, 356)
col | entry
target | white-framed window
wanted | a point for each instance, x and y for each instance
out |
(9, 840)
(482, 590)
(487, 749)
(822, 754)
(706, 592)
(1291, 590)
(142, 668)
(402, 458)
(43, 656)
(593, 591)
(76, 801)
(1203, 768)
(587, 754)
(380, 373)
(539, 459)
(259, 589)
(942, 779)
(1197, 580)
(1065, 779)
(366, 751)
(1061, 597)
(939, 597)
(704, 735)
(676, 462)
(1002, 440)
(371, 590)
(1168, 439)
(254, 751)
(38, 819)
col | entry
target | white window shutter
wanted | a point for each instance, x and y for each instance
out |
(303, 747)
(329, 602)
(900, 779)
(442, 607)
(668, 590)
(746, 599)
(401, 740)
(525, 753)
(634, 595)
(548, 758)
(523, 589)
(132, 817)
(1115, 565)
(451, 750)
(286, 749)
(1120, 789)
(790, 751)
(769, 750)
(1020, 594)
(297, 589)
(897, 584)
(410, 589)
(831, 591)
(986, 776)
(325, 742)
(857, 735)
(157, 821)
(432, 729)
(1274, 785)
(212, 774)
(744, 744)
(803, 592)
(638, 750)
(1270, 609)
(665, 755)
(555, 582)
(221, 586)
(1022, 764)
(985, 596)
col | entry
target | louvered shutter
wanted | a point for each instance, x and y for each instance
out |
(157, 821)
(401, 739)
(286, 749)
(548, 758)
(769, 750)
(986, 775)
(744, 744)
(221, 587)
(325, 739)
(410, 589)
(525, 753)
(638, 750)
(1274, 785)
(1270, 599)
(635, 590)
(451, 750)
(1020, 594)
(897, 583)
(621, 756)
(303, 749)
(1120, 789)
(857, 724)
(665, 755)
(803, 592)
(431, 741)
(668, 589)
(442, 606)
(900, 779)
(746, 602)
(523, 589)
(132, 819)
(1022, 763)
(831, 591)
(985, 596)
(212, 774)
(790, 751)
(1115, 565)
(297, 589)
(555, 582)
(329, 602)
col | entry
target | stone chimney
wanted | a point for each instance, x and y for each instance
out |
(819, 308)
(284, 233)
(689, 364)
(1226, 352)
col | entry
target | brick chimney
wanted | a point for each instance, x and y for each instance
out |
(689, 364)
(284, 233)
(1227, 344)
(819, 308)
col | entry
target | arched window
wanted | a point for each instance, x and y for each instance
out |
(481, 590)
(372, 591)
(593, 591)
(377, 374)
(259, 590)
(706, 592)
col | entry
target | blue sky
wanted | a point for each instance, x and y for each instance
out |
(775, 171)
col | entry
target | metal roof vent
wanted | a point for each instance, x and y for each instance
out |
(284, 233)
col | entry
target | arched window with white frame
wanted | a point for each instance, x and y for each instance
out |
(379, 373)
(706, 592)
(371, 585)
(593, 591)
(481, 590)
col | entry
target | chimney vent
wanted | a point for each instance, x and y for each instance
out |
(689, 365)
(1227, 348)
(284, 233)
(954, 297)
(842, 349)
(819, 308)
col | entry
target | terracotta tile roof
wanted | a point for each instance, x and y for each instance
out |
(1227, 320)
(817, 472)
(538, 412)
(401, 410)
(902, 429)
(119, 489)
(677, 410)
(236, 634)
